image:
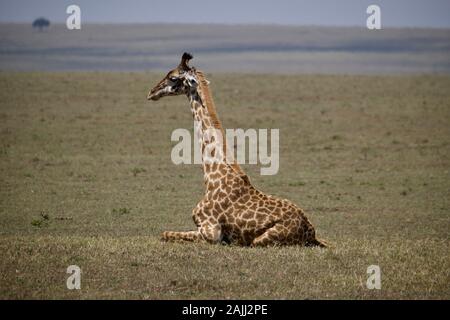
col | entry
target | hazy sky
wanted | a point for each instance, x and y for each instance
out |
(394, 13)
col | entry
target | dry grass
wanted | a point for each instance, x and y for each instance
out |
(86, 179)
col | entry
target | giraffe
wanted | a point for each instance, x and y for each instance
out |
(232, 210)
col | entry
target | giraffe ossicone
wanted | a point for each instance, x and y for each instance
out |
(232, 210)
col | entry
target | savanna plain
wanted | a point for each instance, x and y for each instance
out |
(87, 179)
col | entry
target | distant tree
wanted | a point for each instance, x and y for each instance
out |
(41, 23)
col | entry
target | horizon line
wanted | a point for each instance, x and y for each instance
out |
(227, 24)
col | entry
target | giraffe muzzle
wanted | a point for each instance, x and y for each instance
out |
(153, 96)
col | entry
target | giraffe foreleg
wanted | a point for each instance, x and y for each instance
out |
(208, 232)
(191, 236)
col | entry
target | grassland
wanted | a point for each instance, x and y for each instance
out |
(86, 179)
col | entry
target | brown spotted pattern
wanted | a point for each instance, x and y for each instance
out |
(232, 210)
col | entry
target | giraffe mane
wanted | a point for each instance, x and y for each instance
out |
(211, 107)
(207, 99)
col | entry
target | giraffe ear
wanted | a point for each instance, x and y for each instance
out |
(185, 60)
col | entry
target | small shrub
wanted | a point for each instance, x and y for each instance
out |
(121, 211)
(37, 223)
(137, 170)
(297, 184)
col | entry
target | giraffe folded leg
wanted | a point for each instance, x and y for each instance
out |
(271, 237)
(192, 236)
(280, 235)
(211, 232)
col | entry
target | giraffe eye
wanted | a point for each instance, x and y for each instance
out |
(173, 79)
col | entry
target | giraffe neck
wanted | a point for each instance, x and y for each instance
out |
(207, 123)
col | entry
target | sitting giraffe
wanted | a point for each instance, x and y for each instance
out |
(232, 210)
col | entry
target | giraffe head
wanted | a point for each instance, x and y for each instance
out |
(178, 81)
